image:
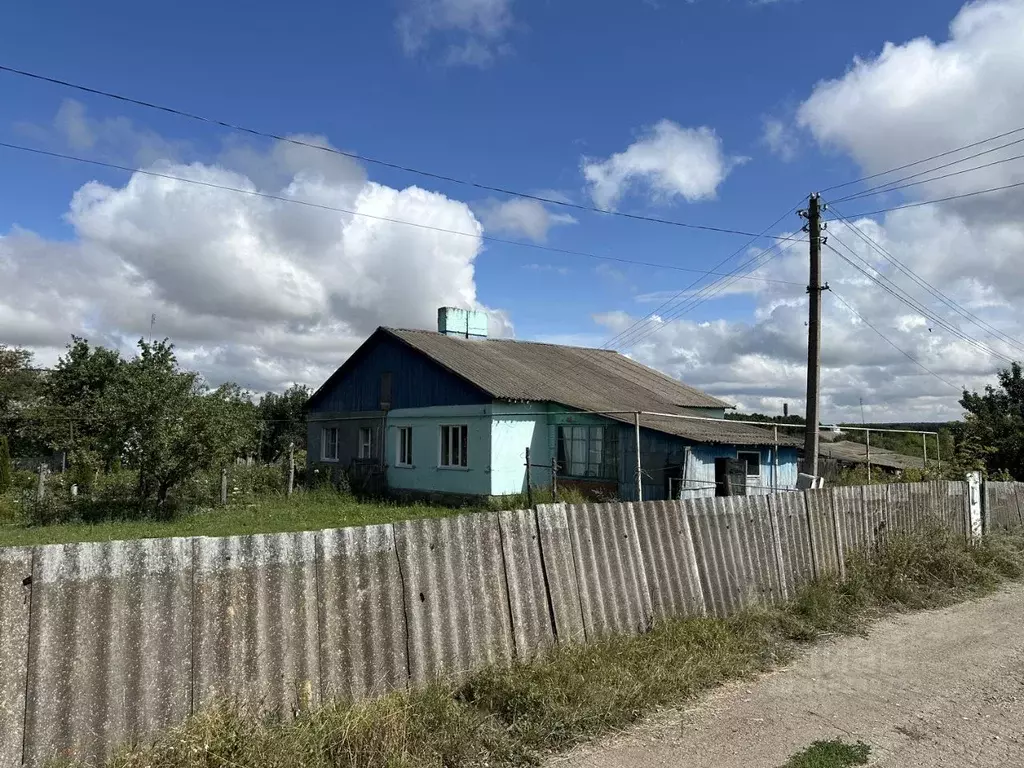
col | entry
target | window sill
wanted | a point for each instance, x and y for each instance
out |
(329, 461)
(455, 469)
(405, 466)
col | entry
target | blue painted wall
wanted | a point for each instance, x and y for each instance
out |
(416, 382)
(426, 474)
(514, 427)
(661, 454)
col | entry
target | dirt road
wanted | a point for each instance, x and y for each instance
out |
(937, 688)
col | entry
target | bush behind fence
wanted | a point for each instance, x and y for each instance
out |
(106, 643)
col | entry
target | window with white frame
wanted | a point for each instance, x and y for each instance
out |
(365, 443)
(404, 457)
(454, 446)
(752, 459)
(329, 444)
(589, 451)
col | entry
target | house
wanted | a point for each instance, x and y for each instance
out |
(451, 413)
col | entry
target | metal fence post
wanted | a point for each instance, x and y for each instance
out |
(291, 468)
(41, 489)
(867, 448)
(639, 469)
(529, 479)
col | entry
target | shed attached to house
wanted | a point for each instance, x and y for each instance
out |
(452, 413)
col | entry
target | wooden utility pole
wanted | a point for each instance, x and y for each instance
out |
(814, 289)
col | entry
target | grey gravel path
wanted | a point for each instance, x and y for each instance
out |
(936, 688)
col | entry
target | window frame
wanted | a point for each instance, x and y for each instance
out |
(365, 447)
(463, 446)
(324, 442)
(746, 464)
(402, 448)
(581, 436)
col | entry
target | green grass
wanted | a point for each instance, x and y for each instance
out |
(831, 754)
(274, 514)
(517, 715)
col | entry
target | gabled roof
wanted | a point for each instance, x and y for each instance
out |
(576, 377)
(588, 379)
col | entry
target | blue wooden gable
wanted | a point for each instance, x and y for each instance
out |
(416, 381)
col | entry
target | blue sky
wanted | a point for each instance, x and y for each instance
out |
(516, 96)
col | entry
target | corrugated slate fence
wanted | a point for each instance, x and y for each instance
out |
(104, 644)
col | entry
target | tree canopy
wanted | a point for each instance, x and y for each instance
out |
(992, 434)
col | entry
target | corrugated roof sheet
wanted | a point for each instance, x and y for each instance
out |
(721, 431)
(588, 379)
(856, 453)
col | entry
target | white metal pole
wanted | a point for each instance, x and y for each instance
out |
(775, 462)
(924, 447)
(639, 471)
(868, 446)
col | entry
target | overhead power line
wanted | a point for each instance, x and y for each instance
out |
(931, 289)
(709, 292)
(896, 292)
(336, 209)
(372, 160)
(884, 188)
(918, 204)
(649, 317)
(892, 343)
(939, 156)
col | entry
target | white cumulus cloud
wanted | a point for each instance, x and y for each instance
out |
(255, 290)
(780, 138)
(470, 32)
(914, 99)
(520, 216)
(666, 162)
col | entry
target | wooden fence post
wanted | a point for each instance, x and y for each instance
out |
(554, 481)
(41, 489)
(224, 486)
(291, 467)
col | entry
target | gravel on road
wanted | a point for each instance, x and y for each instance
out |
(931, 689)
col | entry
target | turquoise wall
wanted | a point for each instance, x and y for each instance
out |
(515, 426)
(499, 434)
(426, 474)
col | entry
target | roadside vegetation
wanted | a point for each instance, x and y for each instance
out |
(830, 754)
(517, 715)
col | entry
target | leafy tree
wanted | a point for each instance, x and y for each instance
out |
(171, 425)
(283, 421)
(19, 389)
(993, 431)
(5, 465)
(791, 419)
(75, 416)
